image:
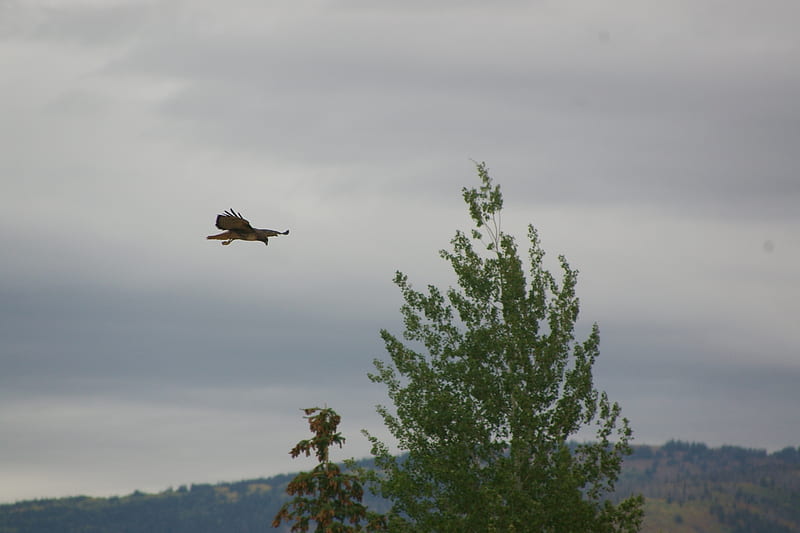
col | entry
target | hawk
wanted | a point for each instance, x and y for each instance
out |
(238, 228)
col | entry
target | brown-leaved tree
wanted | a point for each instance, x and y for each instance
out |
(326, 498)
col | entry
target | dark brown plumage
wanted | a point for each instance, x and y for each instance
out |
(238, 228)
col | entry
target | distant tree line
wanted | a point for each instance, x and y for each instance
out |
(759, 495)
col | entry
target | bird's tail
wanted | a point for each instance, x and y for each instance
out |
(222, 236)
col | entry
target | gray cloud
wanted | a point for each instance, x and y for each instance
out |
(515, 96)
(654, 145)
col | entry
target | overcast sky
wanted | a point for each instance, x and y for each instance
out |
(655, 144)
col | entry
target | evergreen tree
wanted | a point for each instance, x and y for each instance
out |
(488, 389)
(326, 496)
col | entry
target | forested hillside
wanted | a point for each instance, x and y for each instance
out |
(691, 488)
(688, 488)
(246, 506)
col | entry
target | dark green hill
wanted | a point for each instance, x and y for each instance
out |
(246, 506)
(688, 487)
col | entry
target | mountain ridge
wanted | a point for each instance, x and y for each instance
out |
(688, 487)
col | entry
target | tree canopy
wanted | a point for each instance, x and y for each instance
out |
(489, 384)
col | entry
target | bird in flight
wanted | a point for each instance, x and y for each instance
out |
(236, 227)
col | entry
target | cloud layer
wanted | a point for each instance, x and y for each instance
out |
(654, 145)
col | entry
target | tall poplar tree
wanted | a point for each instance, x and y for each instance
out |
(489, 386)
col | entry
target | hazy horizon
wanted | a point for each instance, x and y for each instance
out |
(290, 472)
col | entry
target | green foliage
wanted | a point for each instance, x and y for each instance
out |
(326, 496)
(486, 408)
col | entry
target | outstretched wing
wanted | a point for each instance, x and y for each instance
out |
(266, 233)
(231, 220)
